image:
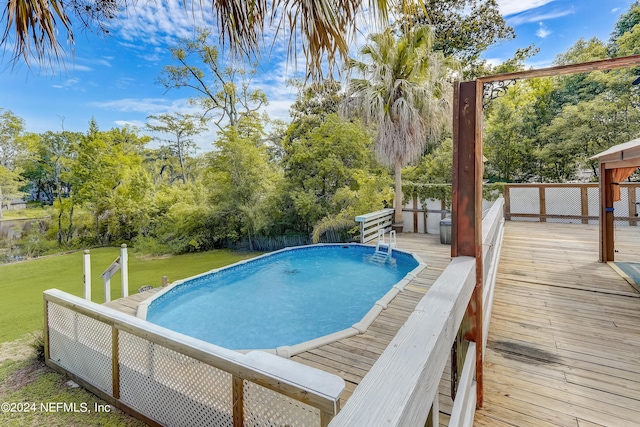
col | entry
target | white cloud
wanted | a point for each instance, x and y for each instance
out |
(526, 18)
(161, 23)
(615, 9)
(146, 106)
(511, 7)
(543, 31)
(69, 84)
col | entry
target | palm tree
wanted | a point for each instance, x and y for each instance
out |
(323, 26)
(404, 89)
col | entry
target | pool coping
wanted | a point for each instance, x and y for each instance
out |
(289, 351)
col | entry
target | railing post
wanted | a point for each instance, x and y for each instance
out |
(87, 274)
(238, 401)
(507, 203)
(584, 203)
(115, 362)
(124, 270)
(631, 191)
(543, 203)
(466, 219)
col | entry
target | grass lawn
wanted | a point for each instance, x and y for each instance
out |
(26, 380)
(21, 284)
(35, 391)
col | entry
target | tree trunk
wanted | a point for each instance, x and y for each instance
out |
(1, 200)
(397, 219)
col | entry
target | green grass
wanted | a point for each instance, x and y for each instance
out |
(31, 382)
(22, 284)
(29, 212)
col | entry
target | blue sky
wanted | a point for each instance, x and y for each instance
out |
(114, 78)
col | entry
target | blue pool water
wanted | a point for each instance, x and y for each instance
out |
(281, 299)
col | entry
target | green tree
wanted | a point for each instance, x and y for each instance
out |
(241, 177)
(12, 147)
(403, 89)
(10, 183)
(110, 181)
(181, 127)
(625, 24)
(223, 90)
(462, 28)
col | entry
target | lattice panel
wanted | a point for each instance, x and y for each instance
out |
(81, 345)
(563, 201)
(172, 388)
(524, 200)
(264, 407)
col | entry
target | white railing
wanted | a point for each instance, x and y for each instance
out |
(398, 388)
(168, 378)
(372, 222)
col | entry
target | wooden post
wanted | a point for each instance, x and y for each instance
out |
(115, 362)
(584, 203)
(238, 402)
(466, 218)
(507, 203)
(543, 203)
(631, 191)
(124, 270)
(606, 214)
(87, 275)
(165, 281)
(415, 214)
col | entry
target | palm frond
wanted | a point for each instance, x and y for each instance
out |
(334, 223)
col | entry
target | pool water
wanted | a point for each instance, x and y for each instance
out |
(281, 299)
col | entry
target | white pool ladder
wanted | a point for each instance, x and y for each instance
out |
(384, 249)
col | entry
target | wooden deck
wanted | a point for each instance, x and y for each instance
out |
(564, 339)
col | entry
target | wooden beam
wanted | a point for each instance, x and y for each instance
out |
(601, 65)
(628, 163)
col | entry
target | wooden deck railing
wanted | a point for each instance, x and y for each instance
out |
(166, 378)
(372, 222)
(401, 389)
(578, 203)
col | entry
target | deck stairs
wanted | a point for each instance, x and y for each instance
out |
(384, 249)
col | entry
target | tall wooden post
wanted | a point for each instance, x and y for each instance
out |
(466, 219)
(606, 214)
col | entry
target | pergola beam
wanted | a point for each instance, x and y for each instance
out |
(601, 65)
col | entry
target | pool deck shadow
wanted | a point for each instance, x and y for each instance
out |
(351, 358)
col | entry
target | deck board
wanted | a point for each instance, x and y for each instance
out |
(564, 336)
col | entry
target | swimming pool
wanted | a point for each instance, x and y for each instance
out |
(283, 299)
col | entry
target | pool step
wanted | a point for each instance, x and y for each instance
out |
(379, 257)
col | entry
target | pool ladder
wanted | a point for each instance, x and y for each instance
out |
(384, 249)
